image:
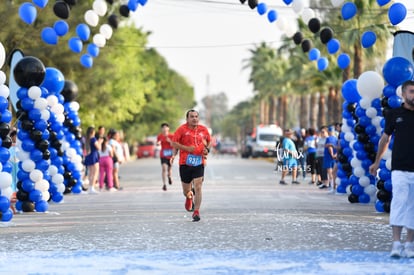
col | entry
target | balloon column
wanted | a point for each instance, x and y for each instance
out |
(396, 71)
(6, 189)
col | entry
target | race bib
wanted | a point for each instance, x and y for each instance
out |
(193, 160)
(167, 152)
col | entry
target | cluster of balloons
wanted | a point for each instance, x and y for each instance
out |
(6, 166)
(49, 165)
(361, 130)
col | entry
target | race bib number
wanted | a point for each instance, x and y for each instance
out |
(167, 152)
(193, 160)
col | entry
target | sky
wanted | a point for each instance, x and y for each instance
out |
(209, 41)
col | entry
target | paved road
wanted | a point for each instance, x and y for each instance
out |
(246, 215)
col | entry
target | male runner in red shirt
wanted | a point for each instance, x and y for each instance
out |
(165, 139)
(193, 142)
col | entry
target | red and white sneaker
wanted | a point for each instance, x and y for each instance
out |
(196, 216)
(189, 202)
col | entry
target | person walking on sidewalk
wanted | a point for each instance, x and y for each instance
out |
(290, 156)
(93, 145)
(165, 139)
(399, 122)
(192, 140)
(106, 166)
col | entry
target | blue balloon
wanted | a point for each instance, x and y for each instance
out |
(132, 5)
(350, 91)
(41, 206)
(366, 163)
(40, 3)
(54, 80)
(364, 121)
(322, 63)
(7, 215)
(364, 198)
(360, 112)
(395, 101)
(6, 116)
(397, 70)
(28, 145)
(4, 103)
(357, 189)
(28, 185)
(379, 206)
(75, 44)
(397, 13)
(35, 195)
(28, 13)
(388, 185)
(371, 129)
(41, 125)
(22, 92)
(348, 10)
(4, 204)
(261, 8)
(384, 174)
(287, 2)
(57, 197)
(7, 167)
(358, 146)
(36, 155)
(343, 61)
(272, 16)
(61, 27)
(347, 151)
(361, 155)
(383, 2)
(389, 91)
(314, 54)
(86, 61)
(368, 39)
(93, 50)
(49, 36)
(142, 2)
(333, 45)
(83, 31)
(35, 114)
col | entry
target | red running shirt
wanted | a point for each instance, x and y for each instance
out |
(166, 147)
(191, 137)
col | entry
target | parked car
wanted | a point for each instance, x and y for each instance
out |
(229, 148)
(146, 149)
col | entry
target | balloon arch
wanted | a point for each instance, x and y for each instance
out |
(48, 162)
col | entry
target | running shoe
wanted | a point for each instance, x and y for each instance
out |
(282, 182)
(189, 202)
(409, 250)
(169, 180)
(164, 187)
(196, 216)
(397, 250)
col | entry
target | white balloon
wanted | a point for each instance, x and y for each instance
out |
(307, 15)
(34, 92)
(57, 109)
(40, 103)
(4, 91)
(106, 31)
(100, 7)
(36, 175)
(7, 192)
(45, 195)
(3, 77)
(388, 163)
(60, 118)
(91, 18)
(28, 165)
(5, 180)
(365, 102)
(74, 106)
(45, 114)
(364, 181)
(337, 3)
(52, 100)
(99, 40)
(370, 189)
(370, 84)
(53, 170)
(398, 91)
(355, 163)
(359, 171)
(57, 179)
(42, 185)
(371, 112)
(387, 154)
(23, 155)
(349, 136)
(298, 6)
(2, 55)
(376, 121)
(61, 187)
(348, 189)
(281, 23)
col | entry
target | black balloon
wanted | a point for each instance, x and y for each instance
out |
(306, 45)
(242, 1)
(384, 102)
(71, 2)
(252, 4)
(46, 154)
(297, 38)
(385, 111)
(326, 35)
(36, 135)
(4, 129)
(28, 206)
(346, 167)
(387, 206)
(113, 21)
(359, 129)
(363, 138)
(7, 142)
(70, 91)
(353, 198)
(383, 195)
(22, 195)
(110, 1)
(29, 71)
(27, 125)
(314, 25)
(369, 147)
(351, 107)
(124, 10)
(42, 145)
(61, 9)
(380, 185)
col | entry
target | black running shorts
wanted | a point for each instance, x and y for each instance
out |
(188, 173)
(165, 161)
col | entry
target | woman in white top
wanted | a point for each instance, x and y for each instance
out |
(106, 166)
(118, 156)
